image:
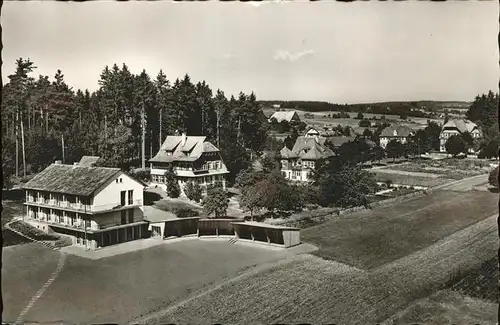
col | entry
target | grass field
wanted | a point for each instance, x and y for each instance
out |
(481, 283)
(449, 168)
(447, 308)
(319, 119)
(10, 209)
(413, 180)
(374, 237)
(118, 288)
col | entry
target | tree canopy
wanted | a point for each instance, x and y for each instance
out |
(44, 114)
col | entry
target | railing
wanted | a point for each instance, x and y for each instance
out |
(83, 207)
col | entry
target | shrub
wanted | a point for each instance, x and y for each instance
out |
(193, 191)
(143, 175)
(493, 178)
(186, 213)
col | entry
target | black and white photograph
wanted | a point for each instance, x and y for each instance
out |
(274, 162)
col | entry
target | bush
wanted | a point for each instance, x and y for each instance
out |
(365, 123)
(493, 178)
(143, 175)
(186, 213)
(193, 191)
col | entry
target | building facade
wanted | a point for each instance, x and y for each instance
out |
(400, 133)
(95, 206)
(297, 164)
(459, 127)
(191, 158)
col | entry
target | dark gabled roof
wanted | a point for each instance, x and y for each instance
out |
(173, 149)
(74, 180)
(308, 148)
(88, 161)
(396, 131)
(461, 125)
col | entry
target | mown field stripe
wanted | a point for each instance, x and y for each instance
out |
(40, 292)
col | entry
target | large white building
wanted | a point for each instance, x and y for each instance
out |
(191, 158)
(95, 206)
(458, 127)
(298, 163)
(400, 133)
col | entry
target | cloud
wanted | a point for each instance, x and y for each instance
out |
(282, 55)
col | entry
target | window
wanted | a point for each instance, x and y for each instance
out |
(121, 181)
(131, 216)
(123, 217)
(130, 196)
(122, 197)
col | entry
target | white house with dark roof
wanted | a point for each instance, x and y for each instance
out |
(95, 206)
(297, 164)
(458, 127)
(289, 116)
(400, 133)
(192, 158)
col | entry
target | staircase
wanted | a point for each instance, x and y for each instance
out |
(233, 240)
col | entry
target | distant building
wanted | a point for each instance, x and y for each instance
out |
(94, 206)
(276, 105)
(458, 127)
(192, 158)
(400, 133)
(289, 116)
(297, 164)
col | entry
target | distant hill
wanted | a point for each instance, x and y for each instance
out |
(424, 108)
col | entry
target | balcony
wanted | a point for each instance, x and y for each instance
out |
(78, 207)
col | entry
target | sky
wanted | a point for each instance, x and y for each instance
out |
(324, 51)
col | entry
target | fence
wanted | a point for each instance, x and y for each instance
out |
(181, 227)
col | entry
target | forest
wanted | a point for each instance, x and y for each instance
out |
(124, 121)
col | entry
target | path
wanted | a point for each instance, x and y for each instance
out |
(466, 184)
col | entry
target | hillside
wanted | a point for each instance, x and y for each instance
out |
(410, 108)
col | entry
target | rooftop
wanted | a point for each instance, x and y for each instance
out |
(183, 148)
(71, 179)
(396, 131)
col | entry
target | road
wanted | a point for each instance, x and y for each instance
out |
(466, 184)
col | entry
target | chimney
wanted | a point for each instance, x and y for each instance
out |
(58, 162)
(183, 142)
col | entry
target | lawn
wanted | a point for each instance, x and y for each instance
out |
(449, 168)
(25, 269)
(119, 288)
(480, 283)
(10, 209)
(447, 308)
(413, 180)
(371, 238)
(314, 290)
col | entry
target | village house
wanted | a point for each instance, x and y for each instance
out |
(191, 158)
(94, 206)
(308, 150)
(330, 139)
(458, 127)
(289, 116)
(400, 133)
